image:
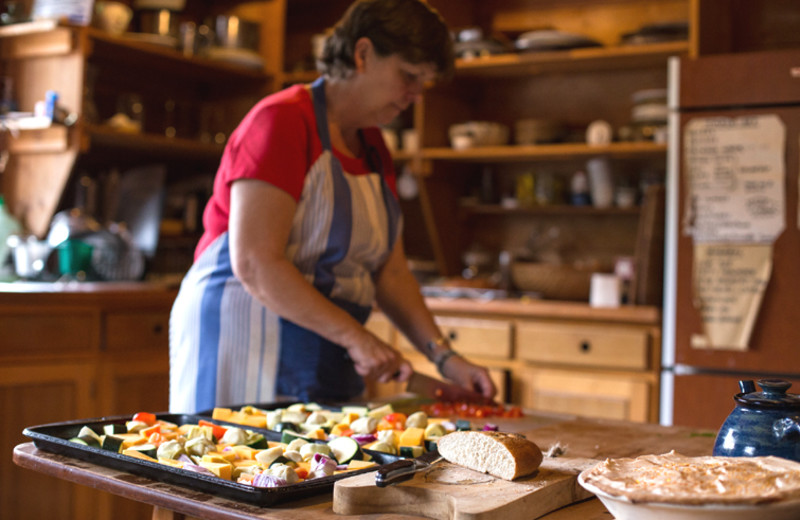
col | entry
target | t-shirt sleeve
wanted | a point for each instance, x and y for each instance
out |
(272, 145)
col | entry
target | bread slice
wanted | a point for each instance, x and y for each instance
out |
(503, 455)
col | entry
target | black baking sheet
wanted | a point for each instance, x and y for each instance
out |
(55, 437)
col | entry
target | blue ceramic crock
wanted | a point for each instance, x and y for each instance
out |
(763, 423)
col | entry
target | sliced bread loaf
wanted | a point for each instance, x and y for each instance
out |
(503, 455)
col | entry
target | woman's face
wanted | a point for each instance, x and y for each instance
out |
(392, 84)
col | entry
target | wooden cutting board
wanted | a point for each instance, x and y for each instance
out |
(445, 491)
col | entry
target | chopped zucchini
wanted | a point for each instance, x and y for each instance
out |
(86, 440)
(112, 443)
(345, 449)
(463, 425)
(410, 452)
(256, 441)
(361, 411)
(285, 425)
(283, 461)
(380, 412)
(288, 436)
(113, 429)
(86, 431)
(135, 426)
(145, 449)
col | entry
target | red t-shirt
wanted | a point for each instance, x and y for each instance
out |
(277, 142)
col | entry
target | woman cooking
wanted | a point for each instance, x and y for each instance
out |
(303, 232)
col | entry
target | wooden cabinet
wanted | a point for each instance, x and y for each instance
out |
(551, 356)
(37, 393)
(89, 351)
(187, 106)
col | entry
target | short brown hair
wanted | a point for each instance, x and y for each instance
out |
(409, 28)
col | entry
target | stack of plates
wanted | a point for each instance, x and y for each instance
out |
(551, 40)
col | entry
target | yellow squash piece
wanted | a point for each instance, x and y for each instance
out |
(222, 414)
(359, 464)
(222, 470)
(171, 462)
(138, 454)
(412, 437)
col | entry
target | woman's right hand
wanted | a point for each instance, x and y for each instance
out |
(375, 359)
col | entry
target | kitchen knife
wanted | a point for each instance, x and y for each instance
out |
(433, 388)
(402, 470)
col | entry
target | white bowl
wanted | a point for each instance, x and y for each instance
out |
(624, 509)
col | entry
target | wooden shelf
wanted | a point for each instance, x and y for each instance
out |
(595, 58)
(119, 49)
(150, 144)
(565, 151)
(555, 209)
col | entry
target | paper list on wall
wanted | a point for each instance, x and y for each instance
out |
(735, 209)
(735, 170)
(729, 284)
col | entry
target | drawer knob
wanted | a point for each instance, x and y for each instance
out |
(585, 346)
(452, 335)
(158, 328)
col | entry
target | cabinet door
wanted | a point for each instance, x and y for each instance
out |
(138, 382)
(608, 396)
(33, 394)
(50, 331)
(143, 330)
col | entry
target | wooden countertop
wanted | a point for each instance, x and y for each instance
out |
(579, 437)
(65, 292)
(531, 308)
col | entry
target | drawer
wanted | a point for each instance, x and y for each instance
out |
(584, 345)
(586, 395)
(48, 331)
(143, 330)
(473, 337)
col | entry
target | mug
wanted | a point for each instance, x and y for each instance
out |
(605, 290)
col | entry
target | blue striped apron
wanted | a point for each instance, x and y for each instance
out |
(227, 349)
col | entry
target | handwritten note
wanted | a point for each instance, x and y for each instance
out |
(735, 209)
(735, 171)
(729, 284)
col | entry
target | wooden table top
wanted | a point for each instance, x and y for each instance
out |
(579, 437)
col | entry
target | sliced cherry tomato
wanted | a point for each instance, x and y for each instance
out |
(216, 429)
(393, 421)
(302, 473)
(145, 417)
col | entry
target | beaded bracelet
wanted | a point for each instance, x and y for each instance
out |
(442, 359)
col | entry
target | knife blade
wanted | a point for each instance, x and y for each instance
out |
(431, 387)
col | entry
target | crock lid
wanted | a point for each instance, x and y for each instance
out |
(773, 395)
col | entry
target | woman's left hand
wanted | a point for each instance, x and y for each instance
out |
(469, 376)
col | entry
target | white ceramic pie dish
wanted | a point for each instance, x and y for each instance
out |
(624, 509)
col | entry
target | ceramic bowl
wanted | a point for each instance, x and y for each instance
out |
(478, 133)
(623, 509)
(112, 17)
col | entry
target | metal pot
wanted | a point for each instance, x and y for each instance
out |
(236, 33)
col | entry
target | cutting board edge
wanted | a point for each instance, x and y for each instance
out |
(358, 495)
